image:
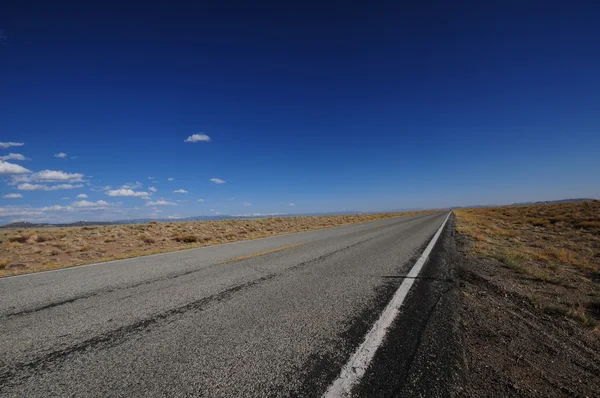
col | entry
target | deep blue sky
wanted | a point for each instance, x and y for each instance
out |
(339, 106)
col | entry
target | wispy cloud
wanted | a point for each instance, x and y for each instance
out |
(12, 169)
(9, 144)
(180, 191)
(291, 204)
(13, 196)
(82, 196)
(170, 179)
(197, 138)
(246, 204)
(50, 176)
(161, 203)
(85, 203)
(217, 181)
(127, 192)
(152, 189)
(131, 185)
(19, 211)
(61, 155)
(56, 208)
(43, 187)
(151, 178)
(200, 200)
(14, 156)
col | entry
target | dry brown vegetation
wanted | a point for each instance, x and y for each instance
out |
(31, 250)
(554, 247)
(529, 301)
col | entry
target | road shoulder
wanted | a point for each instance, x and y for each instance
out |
(422, 355)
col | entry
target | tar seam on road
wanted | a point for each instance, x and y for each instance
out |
(356, 367)
(259, 253)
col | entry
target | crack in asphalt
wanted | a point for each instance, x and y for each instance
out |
(424, 325)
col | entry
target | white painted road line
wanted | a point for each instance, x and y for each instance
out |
(356, 367)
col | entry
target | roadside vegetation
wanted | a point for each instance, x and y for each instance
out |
(31, 250)
(555, 248)
(529, 300)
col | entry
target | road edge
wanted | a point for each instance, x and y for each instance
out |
(361, 360)
(423, 354)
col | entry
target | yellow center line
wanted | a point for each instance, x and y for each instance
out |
(259, 253)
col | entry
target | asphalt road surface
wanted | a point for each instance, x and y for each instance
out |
(277, 316)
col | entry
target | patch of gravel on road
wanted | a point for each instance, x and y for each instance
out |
(513, 346)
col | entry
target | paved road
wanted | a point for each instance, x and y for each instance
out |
(204, 322)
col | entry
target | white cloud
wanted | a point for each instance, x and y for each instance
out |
(292, 204)
(180, 191)
(13, 156)
(152, 189)
(13, 196)
(10, 168)
(217, 181)
(151, 178)
(85, 203)
(43, 187)
(65, 198)
(200, 200)
(82, 196)
(170, 179)
(19, 211)
(161, 203)
(60, 155)
(49, 176)
(198, 138)
(9, 144)
(174, 217)
(127, 192)
(246, 204)
(56, 208)
(131, 185)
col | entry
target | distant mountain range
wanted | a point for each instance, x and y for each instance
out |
(542, 202)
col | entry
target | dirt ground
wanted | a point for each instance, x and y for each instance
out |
(530, 300)
(31, 250)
